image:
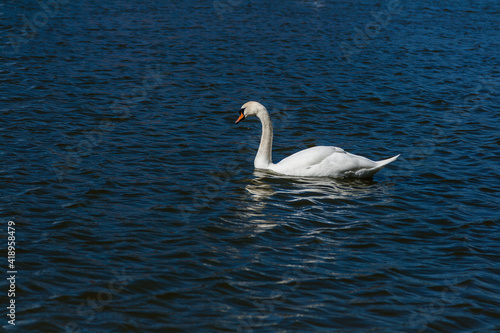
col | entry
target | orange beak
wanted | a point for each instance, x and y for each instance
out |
(240, 118)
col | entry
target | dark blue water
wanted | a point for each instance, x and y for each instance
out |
(133, 193)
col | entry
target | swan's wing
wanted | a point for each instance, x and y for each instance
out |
(326, 161)
(302, 161)
(311, 156)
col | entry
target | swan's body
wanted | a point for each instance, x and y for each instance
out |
(320, 161)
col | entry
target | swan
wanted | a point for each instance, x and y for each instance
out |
(319, 161)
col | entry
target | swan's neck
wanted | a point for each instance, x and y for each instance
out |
(263, 159)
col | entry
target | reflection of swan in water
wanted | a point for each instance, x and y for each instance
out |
(272, 199)
(266, 184)
(260, 191)
(259, 188)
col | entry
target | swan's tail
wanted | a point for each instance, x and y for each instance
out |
(368, 173)
(383, 163)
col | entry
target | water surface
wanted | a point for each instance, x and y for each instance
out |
(136, 203)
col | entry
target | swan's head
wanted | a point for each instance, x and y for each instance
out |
(250, 109)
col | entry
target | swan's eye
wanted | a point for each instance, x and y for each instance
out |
(242, 111)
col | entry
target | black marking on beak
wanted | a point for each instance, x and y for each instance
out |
(241, 117)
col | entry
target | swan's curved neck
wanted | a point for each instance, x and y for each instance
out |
(263, 159)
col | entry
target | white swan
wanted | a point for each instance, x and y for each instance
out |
(320, 161)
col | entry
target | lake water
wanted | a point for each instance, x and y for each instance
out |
(133, 193)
